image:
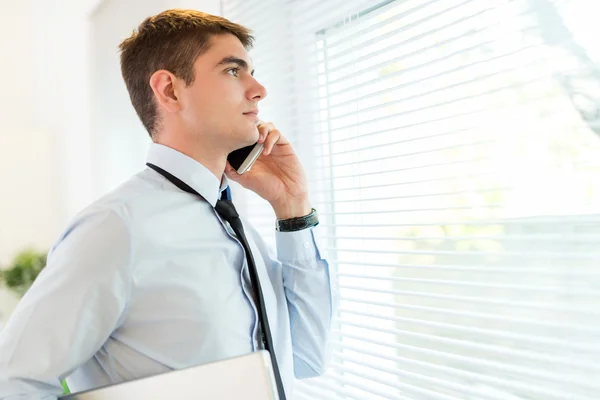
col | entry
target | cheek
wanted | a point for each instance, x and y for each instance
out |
(215, 102)
(200, 105)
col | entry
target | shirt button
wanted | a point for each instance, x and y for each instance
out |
(306, 245)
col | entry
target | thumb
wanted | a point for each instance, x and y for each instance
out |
(232, 174)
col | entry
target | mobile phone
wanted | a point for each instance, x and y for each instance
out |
(242, 160)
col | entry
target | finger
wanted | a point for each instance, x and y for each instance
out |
(271, 141)
(263, 129)
(282, 139)
(261, 133)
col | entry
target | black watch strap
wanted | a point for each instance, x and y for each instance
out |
(299, 223)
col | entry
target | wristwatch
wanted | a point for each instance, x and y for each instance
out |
(298, 223)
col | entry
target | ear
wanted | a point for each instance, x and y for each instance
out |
(164, 86)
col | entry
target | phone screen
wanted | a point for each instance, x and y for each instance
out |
(237, 157)
(242, 159)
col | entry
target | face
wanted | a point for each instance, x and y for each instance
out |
(222, 102)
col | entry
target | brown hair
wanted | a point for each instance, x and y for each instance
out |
(171, 40)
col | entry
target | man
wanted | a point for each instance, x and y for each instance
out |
(149, 279)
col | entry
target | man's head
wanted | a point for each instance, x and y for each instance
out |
(188, 74)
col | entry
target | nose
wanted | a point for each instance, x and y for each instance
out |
(257, 91)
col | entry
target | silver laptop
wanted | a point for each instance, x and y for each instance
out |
(248, 377)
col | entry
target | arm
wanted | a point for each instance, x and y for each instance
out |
(308, 284)
(278, 177)
(71, 309)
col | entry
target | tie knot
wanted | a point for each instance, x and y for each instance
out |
(226, 210)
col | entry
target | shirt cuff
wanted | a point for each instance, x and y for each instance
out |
(296, 246)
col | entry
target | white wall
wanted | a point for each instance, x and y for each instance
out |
(28, 166)
(68, 132)
(44, 172)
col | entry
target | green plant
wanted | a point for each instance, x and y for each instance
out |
(24, 269)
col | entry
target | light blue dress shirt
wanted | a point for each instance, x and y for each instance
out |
(149, 279)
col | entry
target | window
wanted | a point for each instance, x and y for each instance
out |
(453, 148)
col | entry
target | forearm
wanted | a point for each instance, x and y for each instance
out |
(310, 289)
(292, 209)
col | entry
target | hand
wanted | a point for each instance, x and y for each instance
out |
(277, 175)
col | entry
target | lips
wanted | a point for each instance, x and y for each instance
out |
(253, 115)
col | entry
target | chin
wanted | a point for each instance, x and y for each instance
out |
(245, 141)
(244, 134)
(252, 136)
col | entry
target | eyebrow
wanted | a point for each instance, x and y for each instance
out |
(235, 60)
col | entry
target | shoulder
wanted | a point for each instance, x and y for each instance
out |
(108, 220)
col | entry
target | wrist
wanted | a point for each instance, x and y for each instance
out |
(292, 209)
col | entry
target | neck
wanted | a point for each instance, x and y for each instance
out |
(211, 157)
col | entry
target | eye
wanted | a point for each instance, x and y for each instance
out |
(234, 72)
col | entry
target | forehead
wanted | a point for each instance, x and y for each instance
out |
(222, 46)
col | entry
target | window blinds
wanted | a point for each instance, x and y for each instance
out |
(453, 149)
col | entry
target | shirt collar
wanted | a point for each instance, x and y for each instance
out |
(189, 171)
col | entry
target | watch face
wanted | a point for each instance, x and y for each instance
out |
(300, 224)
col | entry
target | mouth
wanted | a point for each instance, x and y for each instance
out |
(252, 114)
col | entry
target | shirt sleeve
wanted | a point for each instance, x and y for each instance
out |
(71, 309)
(310, 289)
